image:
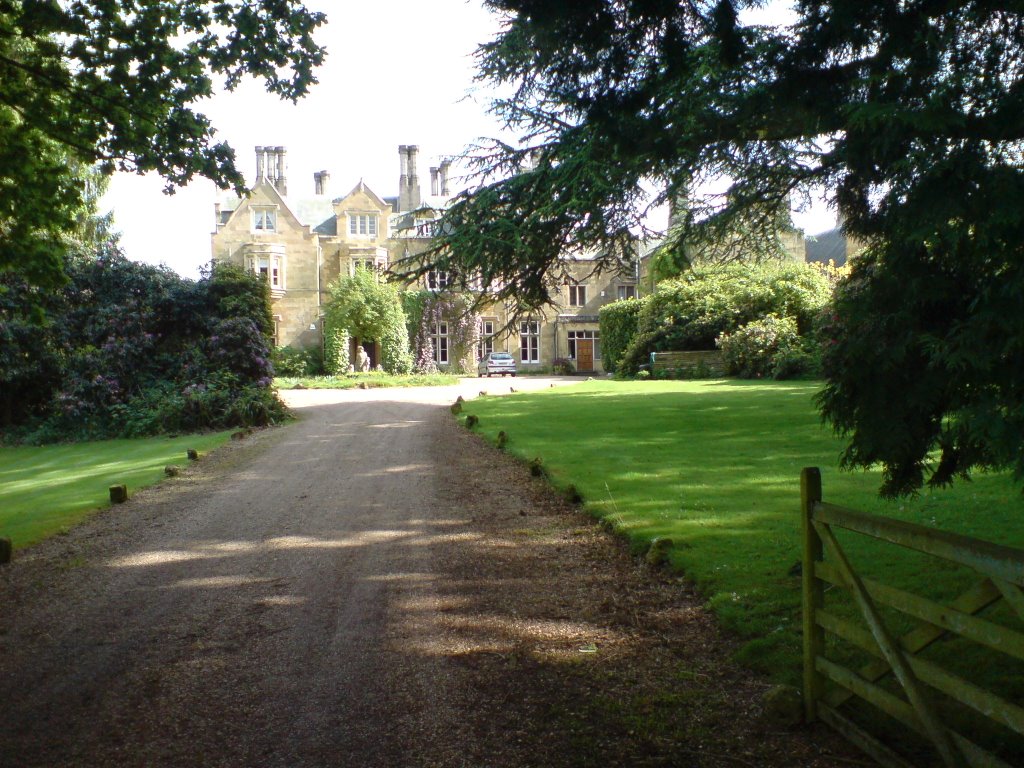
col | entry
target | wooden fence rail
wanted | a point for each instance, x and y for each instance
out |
(829, 685)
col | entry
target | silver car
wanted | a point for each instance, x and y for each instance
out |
(496, 362)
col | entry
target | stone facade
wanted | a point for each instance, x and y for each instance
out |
(303, 245)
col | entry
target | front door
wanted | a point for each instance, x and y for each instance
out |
(584, 354)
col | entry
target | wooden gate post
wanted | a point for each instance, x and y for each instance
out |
(813, 592)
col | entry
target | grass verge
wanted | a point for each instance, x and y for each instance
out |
(715, 465)
(366, 380)
(47, 489)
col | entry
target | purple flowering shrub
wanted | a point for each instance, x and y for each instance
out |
(128, 350)
(237, 346)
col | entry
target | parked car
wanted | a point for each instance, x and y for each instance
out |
(496, 362)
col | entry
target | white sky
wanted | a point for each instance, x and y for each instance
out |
(396, 73)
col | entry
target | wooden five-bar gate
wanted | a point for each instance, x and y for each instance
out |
(828, 685)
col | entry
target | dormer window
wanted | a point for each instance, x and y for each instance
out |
(362, 224)
(264, 220)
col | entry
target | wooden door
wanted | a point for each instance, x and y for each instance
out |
(584, 354)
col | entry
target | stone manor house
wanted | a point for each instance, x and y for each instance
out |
(303, 243)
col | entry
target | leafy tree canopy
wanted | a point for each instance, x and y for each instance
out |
(114, 84)
(909, 112)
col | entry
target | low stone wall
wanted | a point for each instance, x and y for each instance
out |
(710, 361)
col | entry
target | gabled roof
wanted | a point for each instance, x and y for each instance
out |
(826, 246)
(270, 191)
(361, 187)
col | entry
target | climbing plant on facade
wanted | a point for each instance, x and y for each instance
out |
(447, 331)
(365, 307)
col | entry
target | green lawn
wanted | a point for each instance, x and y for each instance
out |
(46, 489)
(715, 465)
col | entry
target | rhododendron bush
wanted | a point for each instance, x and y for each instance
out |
(126, 349)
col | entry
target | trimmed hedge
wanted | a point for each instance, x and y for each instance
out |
(618, 322)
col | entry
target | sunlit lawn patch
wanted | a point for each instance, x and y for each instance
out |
(715, 465)
(46, 489)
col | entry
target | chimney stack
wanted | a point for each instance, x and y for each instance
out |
(270, 167)
(409, 180)
(320, 180)
(678, 205)
(443, 175)
(433, 182)
(281, 183)
(414, 178)
(259, 164)
(403, 176)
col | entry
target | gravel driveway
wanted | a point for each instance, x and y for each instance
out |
(369, 586)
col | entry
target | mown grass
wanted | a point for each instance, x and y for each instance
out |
(715, 466)
(369, 380)
(47, 489)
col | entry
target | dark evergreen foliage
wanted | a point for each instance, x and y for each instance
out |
(125, 349)
(911, 114)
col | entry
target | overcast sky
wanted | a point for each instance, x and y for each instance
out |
(396, 73)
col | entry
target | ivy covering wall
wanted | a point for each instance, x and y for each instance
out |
(426, 309)
(365, 307)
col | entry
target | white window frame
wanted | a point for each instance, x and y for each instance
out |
(440, 339)
(271, 265)
(578, 295)
(574, 336)
(626, 292)
(529, 341)
(438, 280)
(363, 225)
(486, 344)
(264, 220)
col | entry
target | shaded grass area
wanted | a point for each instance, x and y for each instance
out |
(715, 466)
(46, 489)
(369, 380)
